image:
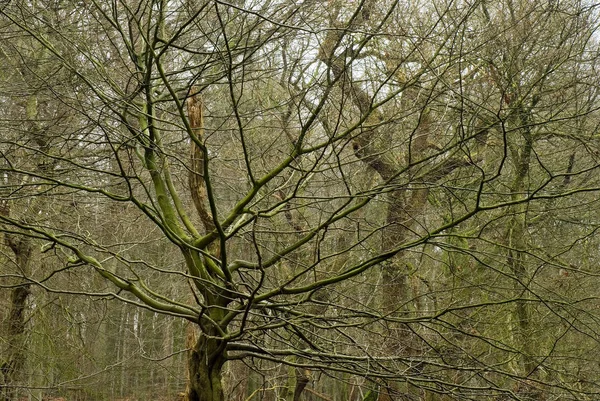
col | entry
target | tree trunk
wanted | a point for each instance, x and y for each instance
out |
(14, 365)
(205, 369)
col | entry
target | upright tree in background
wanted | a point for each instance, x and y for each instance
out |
(374, 194)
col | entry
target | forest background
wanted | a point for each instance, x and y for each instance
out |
(299, 200)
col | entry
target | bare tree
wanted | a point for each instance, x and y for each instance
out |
(362, 189)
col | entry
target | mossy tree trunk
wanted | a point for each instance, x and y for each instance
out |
(207, 354)
(408, 202)
(205, 369)
(14, 366)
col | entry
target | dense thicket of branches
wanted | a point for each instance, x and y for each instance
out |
(337, 200)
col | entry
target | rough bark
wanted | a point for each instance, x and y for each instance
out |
(205, 369)
(206, 355)
(13, 368)
(197, 155)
